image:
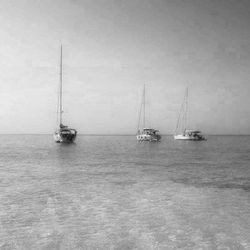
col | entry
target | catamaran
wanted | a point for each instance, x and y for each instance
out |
(63, 134)
(144, 133)
(187, 134)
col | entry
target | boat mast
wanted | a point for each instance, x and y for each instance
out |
(140, 112)
(60, 90)
(186, 109)
(182, 117)
(178, 121)
(144, 111)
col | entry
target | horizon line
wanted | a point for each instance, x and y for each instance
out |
(117, 134)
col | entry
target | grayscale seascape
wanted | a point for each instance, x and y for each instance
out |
(110, 192)
(125, 125)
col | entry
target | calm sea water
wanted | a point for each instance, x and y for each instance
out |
(110, 192)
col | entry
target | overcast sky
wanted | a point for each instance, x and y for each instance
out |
(111, 48)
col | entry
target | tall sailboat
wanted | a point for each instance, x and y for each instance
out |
(63, 134)
(144, 133)
(181, 131)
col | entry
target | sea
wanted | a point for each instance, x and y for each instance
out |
(112, 192)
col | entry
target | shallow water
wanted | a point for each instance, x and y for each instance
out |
(110, 192)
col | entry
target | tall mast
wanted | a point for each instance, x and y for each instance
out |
(144, 111)
(141, 108)
(60, 89)
(186, 109)
(179, 118)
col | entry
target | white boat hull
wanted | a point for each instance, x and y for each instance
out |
(145, 137)
(57, 137)
(61, 137)
(188, 138)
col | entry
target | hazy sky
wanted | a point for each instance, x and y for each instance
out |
(111, 48)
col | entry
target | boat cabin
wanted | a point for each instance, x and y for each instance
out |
(150, 131)
(193, 133)
(148, 134)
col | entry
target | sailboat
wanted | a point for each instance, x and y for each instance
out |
(63, 134)
(187, 134)
(146, 134)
